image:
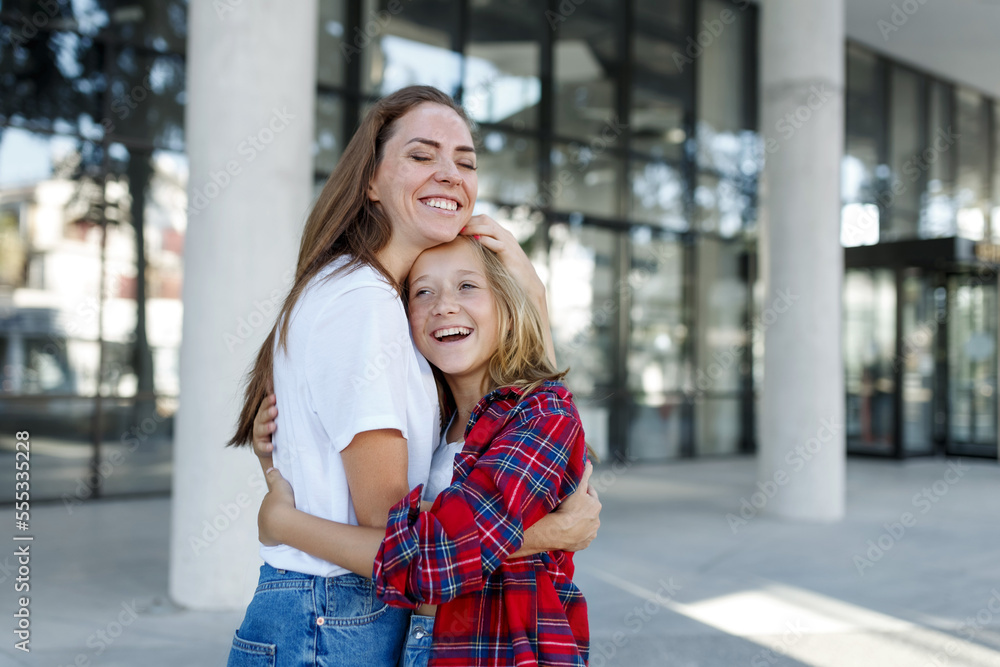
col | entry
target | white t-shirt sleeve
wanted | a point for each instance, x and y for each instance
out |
(358, 364)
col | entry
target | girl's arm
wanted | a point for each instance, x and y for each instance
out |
(477, 524)
(571, 527)
(355, 547)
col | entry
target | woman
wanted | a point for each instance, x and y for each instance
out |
(350, 381)
(523, 454)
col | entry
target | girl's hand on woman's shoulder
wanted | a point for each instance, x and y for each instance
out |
(264, 425)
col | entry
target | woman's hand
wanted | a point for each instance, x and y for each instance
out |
(579, 517)
(264, 425)
(279, 500)
(494, 236)
(570, 527)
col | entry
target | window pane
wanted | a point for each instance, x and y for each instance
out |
(52, 203)
(937, 214)
(861, 169)
(583, 307)
(585, 180)
(717, 426)
(148, 99)
(996, 172)
(906, 128)
(331, 38)
(501, 82)
(721, 94)
(52, 82)
(721, 306)
(722, 204)
(142, 318)
(657, 194)
(661, 15)
(508, 169)
(659, 97)
(160, 25)
(414, 46)
(656, 360)
(61, 449)
(869, 355)
(586, 65)
(329, 128)
(971, 193)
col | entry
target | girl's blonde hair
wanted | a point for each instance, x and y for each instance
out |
(520, 359)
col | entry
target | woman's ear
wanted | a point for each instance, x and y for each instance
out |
(372, 194)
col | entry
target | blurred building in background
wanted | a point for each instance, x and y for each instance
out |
(619, 140)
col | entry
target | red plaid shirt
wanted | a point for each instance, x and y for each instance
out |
(523, 455)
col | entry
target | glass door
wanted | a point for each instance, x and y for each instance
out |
(972, 357)
(869, 358)
(922, 308)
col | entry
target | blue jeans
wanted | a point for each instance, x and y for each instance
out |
(417, 651)
(300, 619)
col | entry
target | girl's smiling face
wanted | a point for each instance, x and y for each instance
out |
(453, 314)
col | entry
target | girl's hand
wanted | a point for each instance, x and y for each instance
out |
(491, 234)
(264, 425)
(279, 500)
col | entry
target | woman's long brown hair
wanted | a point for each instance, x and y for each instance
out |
(344, 222)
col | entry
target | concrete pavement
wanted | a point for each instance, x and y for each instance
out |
(686, 572)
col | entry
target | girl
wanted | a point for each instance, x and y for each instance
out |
(523, 454)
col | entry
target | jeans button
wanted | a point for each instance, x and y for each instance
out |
(320, 621)
(419, 632)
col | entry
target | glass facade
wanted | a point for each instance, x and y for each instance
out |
(921, 181)
(625, 162)
(93, 182)
(618, 140)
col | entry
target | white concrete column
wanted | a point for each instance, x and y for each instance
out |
(251, 82)
(801, 447)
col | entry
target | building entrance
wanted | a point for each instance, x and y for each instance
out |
(920, 336)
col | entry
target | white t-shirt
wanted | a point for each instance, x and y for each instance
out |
(442, 465)
(350, 367)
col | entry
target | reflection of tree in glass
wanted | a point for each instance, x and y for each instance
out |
(79, 69)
